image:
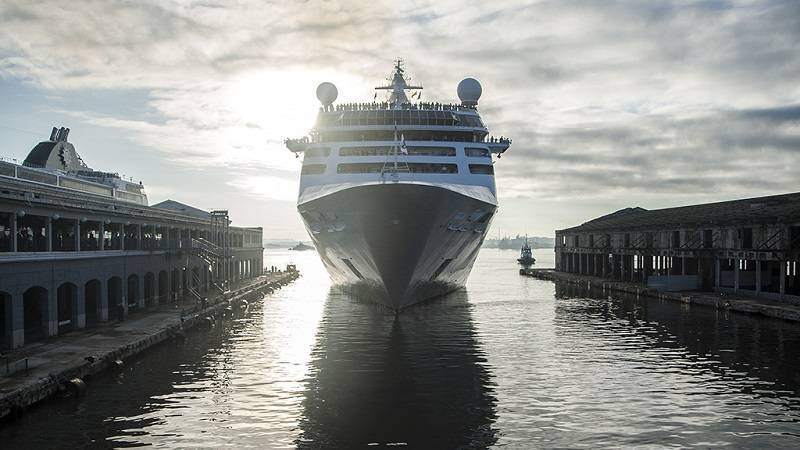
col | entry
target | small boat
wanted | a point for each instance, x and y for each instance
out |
(526, 258)
(301, 247)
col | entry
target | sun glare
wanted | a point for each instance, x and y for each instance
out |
(267, 106)
(283, 103)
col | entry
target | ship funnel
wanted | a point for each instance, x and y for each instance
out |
(53, 134)
(66, 133)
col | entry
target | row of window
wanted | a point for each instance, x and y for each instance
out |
(399, 117)
(389, 135)
(324, 152)
(317, 169)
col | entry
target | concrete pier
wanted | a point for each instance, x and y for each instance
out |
(742, 248)
(77, 251)
(38, 371)
(728, 302)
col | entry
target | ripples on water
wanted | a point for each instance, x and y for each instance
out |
(512, 361)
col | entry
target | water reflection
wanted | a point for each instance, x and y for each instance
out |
(419, 379)
(717, 375)
(522, 363)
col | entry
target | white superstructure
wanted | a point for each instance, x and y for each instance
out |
(397, 196)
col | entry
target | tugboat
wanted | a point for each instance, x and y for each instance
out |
(526, 259)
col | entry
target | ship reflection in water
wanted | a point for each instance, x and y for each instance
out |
(511, 362)
(419, 379)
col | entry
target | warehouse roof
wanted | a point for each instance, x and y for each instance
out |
(775, 208)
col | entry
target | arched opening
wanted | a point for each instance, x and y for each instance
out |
(163, 286)
(35, 313)
(116, 310)
(133, 292)
(149, 288)
(67, 296)
(92, 294)
(176, 283)
(6, 323)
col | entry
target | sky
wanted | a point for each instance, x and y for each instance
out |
(610, 104)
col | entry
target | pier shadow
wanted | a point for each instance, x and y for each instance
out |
(419, 378)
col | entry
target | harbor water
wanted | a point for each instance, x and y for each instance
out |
(511, 361)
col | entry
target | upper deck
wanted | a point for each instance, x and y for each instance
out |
(441, 144)
(359, 115)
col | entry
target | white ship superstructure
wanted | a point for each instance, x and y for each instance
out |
(398, 196)
(55, 162)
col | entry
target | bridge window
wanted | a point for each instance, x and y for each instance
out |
(412, 167)
(360, 168)
(385, 150)
(364, 151)
(321, 152)
(433, 168)
(312, 169)
(431, 151)
(482, 169)
(477, 152)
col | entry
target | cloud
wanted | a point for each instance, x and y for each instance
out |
(619, 99)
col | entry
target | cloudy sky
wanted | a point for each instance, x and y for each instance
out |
(610, 103)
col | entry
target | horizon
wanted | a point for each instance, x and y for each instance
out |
(609, 105)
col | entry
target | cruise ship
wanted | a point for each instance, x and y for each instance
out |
(397, 195)
(56, 163)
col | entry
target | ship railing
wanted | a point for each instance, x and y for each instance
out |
(379, 106)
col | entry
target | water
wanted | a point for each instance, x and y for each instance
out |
(512, 361)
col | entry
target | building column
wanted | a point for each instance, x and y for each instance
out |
(77, 235)
(14, 231)
(716, 272)
(102, 230)
(758, 277)
(79, 314)
(17, 321)
(122, 236)
(49, 238)
(52, 311)
(103, 300)
(736, 263)
(580, 263)
(139, 236)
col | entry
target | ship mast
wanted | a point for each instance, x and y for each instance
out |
(398, 86)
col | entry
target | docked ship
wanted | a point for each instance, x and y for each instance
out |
(55, 162)
(396, 195)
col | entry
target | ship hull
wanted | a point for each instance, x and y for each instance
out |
(397, 243)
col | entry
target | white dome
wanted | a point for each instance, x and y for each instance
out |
(469, 91)
(327, 93)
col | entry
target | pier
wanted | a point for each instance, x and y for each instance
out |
(57, 366)
(740, 252)
(80, 247)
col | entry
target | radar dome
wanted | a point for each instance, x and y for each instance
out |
(469, 91)
(327, 93)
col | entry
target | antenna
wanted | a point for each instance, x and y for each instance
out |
(398, 85)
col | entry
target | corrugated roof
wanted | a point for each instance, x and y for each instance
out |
(775, 208)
